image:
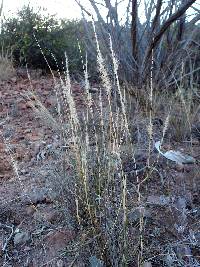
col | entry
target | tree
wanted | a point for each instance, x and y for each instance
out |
(166, 33)
(31, 33)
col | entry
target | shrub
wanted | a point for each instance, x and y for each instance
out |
(30, 27)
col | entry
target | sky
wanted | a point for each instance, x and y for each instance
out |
(63, 8)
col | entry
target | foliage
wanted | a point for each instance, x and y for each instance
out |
(29, 28)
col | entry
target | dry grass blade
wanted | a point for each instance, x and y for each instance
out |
(42, 112)
(6, 66)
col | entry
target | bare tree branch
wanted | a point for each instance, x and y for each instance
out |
(1, 7)
(196, 9)
(82, 8)
(157, 15)
(166, 25)
(195, 19)
(94, 6)
(134, 29)
(112, 12)
(181, 26)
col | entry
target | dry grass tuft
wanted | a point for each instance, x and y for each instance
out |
(6, 66)
(98, 141)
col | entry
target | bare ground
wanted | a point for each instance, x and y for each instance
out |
(34, 228)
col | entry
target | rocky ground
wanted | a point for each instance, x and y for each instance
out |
(32, 229)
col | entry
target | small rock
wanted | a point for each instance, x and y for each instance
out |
(147, 264)
(169, 260)
(20, 152)
(22, 106)
(13, 79)
(197, 238)
(181, 203)
(26, 248)
(158, 200)
(5, 166)
(34, 136)
(21, 238)
(30, 210)
(95, 262)
(36, 196)
(29, 104)
(57, 240)
(183, 252)
(60, 263)
(49, 215)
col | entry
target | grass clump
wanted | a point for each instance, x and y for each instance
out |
(6, 66)
(97, 188)
(95, 184)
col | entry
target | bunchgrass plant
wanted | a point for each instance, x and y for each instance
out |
(99, 194)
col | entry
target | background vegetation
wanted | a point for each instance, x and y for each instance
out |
(32, 33)
(166, 34)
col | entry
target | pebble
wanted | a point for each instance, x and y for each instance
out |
(21, 238)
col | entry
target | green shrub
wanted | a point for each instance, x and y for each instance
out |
(54, 37)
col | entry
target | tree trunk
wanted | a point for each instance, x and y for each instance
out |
(134, 30)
